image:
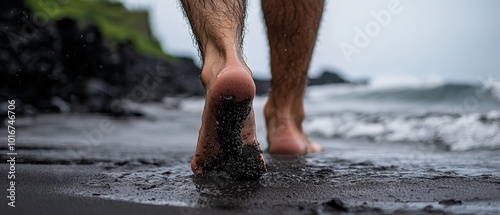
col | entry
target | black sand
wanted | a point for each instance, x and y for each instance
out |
(142, 166)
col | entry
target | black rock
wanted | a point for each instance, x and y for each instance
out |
(328, 77)
(29, 51)
(336, 205)
(262, 86)
(59, 67)
(449, 202)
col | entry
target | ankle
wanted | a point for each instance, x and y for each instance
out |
(283, 111)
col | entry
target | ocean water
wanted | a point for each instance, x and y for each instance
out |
(436, 115)
(456, 117)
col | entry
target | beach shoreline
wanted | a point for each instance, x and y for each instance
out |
(135, 169)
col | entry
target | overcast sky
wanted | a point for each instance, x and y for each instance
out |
(424, 40)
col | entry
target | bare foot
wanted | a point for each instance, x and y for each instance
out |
(285, 134)
(227, 139)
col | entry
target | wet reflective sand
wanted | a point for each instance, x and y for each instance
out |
(95, 162)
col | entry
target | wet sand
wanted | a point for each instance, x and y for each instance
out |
(71, 164)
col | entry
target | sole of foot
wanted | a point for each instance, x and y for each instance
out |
(227, 139)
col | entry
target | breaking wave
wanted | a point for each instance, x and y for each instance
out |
(450, 116)
(456, 132)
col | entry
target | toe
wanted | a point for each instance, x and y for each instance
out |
(314, 147)
(195, 167)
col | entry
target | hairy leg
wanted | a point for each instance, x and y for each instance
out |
(227, 138)
(292, 28)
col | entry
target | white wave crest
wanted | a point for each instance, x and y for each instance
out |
(450, 131)
(492, 86)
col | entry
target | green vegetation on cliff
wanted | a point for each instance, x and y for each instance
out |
(116, 23)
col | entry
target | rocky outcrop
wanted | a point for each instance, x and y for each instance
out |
(57, 67)
(327, 77)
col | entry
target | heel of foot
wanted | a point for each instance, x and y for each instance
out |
(237, 85)
(293, 145)
(285, 138)
(286, 147)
